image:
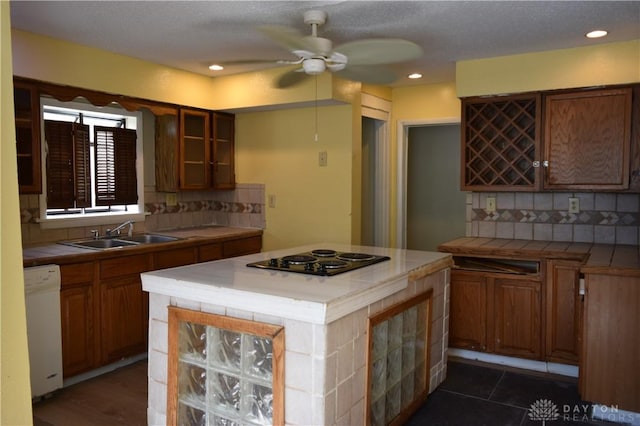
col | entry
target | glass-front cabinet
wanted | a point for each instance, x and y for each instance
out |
(224, 371)
(195, 150)
(27, 122)
(223, 155)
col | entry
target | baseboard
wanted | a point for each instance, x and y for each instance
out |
(521, 363)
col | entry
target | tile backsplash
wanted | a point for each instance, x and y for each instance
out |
(242, 207)
(604, 218)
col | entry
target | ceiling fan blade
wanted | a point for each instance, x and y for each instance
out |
(288, 38)
(379, 51)
(291, 78)
(368, 74)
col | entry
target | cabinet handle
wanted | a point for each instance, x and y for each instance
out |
(536, 164)
(545, 163)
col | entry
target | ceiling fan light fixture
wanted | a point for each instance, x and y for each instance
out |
(313, 66)
(216, 67)
(414, 76)
(596, 33)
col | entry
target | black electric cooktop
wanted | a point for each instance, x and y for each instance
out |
(322, 262)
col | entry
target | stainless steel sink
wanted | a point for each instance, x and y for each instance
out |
(110, 243)
(148, 239)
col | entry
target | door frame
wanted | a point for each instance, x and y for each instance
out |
(380, 110)
(401, 181)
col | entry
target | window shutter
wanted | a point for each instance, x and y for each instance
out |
(82, 162)
(68, 167)
(115, 160)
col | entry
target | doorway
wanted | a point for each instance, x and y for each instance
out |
(431, 206)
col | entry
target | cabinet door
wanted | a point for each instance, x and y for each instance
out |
(610, 356)
(241, 246)
(468, 311)
(78, 320)
(176, 257)
(562, 311)
(123, 318)
(517, 317)
(587, 139)
(166, 153)
(27, 122)
(223, 151)
(501, 143)
(195, 149)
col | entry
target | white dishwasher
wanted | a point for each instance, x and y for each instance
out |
(44, 328)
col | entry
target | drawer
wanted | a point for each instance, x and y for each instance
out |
(77, 273)
(125, 265)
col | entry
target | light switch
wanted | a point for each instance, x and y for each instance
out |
(272, 201)
(322, 158)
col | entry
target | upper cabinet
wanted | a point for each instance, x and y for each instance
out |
(564, 140)
(500, 143)
(587, 139)
(195, 149)
(223, 151)
(27, 122)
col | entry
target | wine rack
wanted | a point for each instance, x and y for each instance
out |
(500, 142)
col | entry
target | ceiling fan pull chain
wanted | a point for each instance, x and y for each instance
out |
(316, 108)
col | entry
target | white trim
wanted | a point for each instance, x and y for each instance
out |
(402, 140)
(525, 364)
(380, 109)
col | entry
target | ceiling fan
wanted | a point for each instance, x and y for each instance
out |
(361, 60)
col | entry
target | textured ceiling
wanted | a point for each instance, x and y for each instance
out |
(191, 34)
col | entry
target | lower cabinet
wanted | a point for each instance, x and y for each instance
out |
(77, 306)
(563, 311)
(496, 312)
(609, 372)
(105, 312)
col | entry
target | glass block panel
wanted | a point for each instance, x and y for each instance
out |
(222, 421)
(380, 340)
(192, 341)
(192, 383)
(225, 393)
(397, 366)
(226, 352)
(258, 404)
(259, 357)
(377, 416)
(395, 332)
(189, 416)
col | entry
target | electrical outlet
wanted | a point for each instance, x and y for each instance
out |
(491, 204)
(322, 158)
(574, 205)
(272, 201)
(170, 199)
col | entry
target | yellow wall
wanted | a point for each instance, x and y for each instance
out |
(608, 63)
(278, 148)
(15, 390)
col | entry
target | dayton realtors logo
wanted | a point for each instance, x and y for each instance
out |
(545, 410)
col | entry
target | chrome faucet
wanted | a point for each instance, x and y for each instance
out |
(116, 230)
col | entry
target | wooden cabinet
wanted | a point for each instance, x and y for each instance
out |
(206, 150)
(77, 308)
(166, 152)
(587, 139)
(105, 312)
(609, 372)
(517, 308)
(27, 122)
(122, 319)
(563, 311)
(468, 311)
(195, 149)
(497, 312)
(576, 139)
(223, 151)
(501, 143)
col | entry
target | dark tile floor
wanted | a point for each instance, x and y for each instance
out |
(477, 394)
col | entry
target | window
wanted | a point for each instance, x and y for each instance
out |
(93, 159)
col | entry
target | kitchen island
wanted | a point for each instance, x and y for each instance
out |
(325, 322)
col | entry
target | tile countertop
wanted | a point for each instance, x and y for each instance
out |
(58, 253)
(597, 258)
(310, 298)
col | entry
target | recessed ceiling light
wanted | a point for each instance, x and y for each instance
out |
(415, 75)
(216, 67)
(596, 34)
